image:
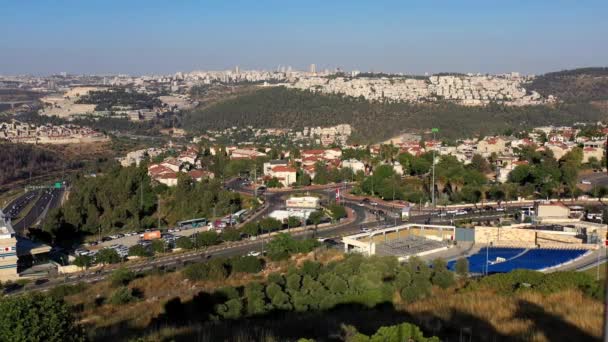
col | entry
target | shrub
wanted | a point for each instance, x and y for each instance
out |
(158, 246)
(83, 261)
(108, 256)
(121, 277)
(462, 267)
(122, 295)
(247, 264)
(139, 250)
(231, 234)
(184, 242)
(35, 317)
(206, 239)
(62, 291)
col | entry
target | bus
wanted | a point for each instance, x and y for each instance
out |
(240, 214)
(194, 223)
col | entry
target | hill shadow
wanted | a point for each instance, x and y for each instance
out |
(198, 316)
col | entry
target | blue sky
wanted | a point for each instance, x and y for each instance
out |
(137, 36)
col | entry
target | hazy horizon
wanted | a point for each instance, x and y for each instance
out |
(154, 37)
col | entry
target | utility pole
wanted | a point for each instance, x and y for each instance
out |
(434, 130)
(158, 212)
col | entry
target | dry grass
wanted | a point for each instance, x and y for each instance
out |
(157, 289)
(527, 315)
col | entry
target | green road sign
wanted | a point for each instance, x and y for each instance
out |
(435, 130)
(58, 185)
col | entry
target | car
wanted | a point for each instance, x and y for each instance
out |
(373, 203)
(500, 209)
(460, 212)
(106, 239)
(586, 182)
(366, 230)
(361, 204)
(254, 253)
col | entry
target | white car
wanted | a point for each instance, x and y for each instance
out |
(586, 182)
(373, 203)
(366, 230)
(254, 253)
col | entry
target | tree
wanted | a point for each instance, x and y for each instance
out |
(158, 246)
(274, 183)
(337, 211)
(480, 164)
(83, 261)
(108, 256)
(283, 245)
(462, 266)
(184, 242)
(247, 264)
(231, 234)
(206, 239)
(139, 251)
(315, 217)
(293, 222)
(269, 224)
(231, 309)
(321, 174)
(121, 277)
(35, 317)
(251, 228)
(254, 295)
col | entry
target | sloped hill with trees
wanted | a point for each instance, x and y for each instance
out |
(577, 85)
(18, 161)
(374, 121)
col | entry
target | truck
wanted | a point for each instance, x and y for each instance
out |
(152, 235)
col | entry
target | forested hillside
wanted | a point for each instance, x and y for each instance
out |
(19, 161)
(373, 121)
(578, 85)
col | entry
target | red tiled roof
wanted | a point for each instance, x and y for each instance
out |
(282, 168)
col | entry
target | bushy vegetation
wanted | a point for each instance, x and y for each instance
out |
(314, 286)
(523, 280)
(36, 317)
(284, 245)
(404, 332)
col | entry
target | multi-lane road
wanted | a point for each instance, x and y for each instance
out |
(44, 200)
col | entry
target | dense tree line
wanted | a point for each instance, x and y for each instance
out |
(20, 161)
(375, 121)
(124, 198)
(542, 177)
(577, 85)
(107, 99)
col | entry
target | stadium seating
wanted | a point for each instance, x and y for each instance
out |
(518, 258)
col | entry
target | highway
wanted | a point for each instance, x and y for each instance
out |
(49, 199)
(14, 208)
(176, 260)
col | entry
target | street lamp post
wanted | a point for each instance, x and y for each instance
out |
(434, 130)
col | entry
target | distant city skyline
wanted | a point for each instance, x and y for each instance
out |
(159, 37)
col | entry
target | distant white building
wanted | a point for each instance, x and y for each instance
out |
(8, 250)
(354, 165)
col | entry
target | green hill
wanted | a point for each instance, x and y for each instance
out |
(374, 121)
(577, 85)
